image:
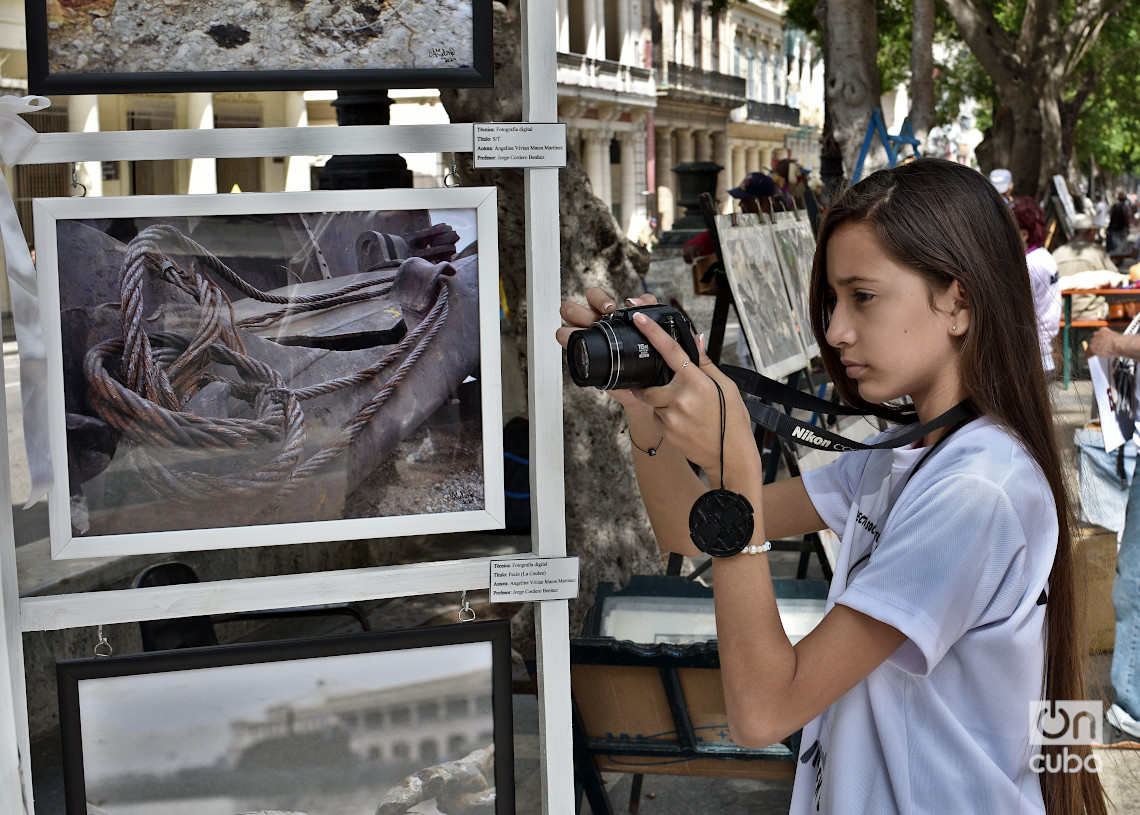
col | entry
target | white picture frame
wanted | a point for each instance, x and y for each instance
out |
(71, 229)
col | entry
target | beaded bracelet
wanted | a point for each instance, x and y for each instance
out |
(652, 451)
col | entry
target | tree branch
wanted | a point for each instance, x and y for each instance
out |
(990, 44)
(1084, 28)
(1030, 34)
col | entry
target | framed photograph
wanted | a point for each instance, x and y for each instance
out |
(270, 368)
(138, 46)
(333, 726)
(795, 249)
(761, 300)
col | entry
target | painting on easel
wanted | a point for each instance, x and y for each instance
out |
(766, 314)
(795, 247)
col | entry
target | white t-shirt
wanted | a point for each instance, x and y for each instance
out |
(1046, 284)
(958, 566)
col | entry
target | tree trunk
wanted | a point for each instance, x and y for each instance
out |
(1029, 70)
(922, 115)
(606, 524)
(852, 83)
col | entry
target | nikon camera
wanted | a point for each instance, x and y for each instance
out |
(613, 354)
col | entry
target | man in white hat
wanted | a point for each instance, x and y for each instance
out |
(1002, 179)
(1084, 254)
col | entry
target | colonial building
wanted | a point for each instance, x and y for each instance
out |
(643, 85)
(657, 83)
(422, 722)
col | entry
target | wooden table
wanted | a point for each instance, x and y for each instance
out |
(1067, 303)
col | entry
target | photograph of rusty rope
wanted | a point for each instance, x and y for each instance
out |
(205, 401)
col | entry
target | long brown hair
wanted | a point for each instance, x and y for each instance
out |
(946, 222)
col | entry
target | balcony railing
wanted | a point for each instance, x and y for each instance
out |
(693, 84)
(773, 114)
(581, 71)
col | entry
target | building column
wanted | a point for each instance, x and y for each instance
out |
(738, 170)
(590, 26)
(751, 159)
(686, 47)
(628, 180)
(298, 169)
(668, 34)
(200, 116)
(599, 28)
(563, 26)
(592, 161)
(626, 51)
(766, 159)
(83, 117)
(702, 145)
(666, 202)
(607, 168)
(684, 150)
(738, 166)
(722, 155)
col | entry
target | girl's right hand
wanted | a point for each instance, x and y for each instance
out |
(578, 316)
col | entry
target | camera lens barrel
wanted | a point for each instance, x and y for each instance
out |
(590, 357)
(612, 353)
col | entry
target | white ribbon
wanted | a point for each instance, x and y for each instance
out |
(16, 136)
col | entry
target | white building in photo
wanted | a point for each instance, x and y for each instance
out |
(422, 722)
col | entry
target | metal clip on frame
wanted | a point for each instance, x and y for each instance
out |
(103, 648)
(75, 185)
(451, 178)
(466, 613)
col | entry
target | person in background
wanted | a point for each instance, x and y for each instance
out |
(755, 195)
(1124, 713)
(1002, 179)
(1084, 254)
(1101, 217)
(1119, 222)
(1043, 276)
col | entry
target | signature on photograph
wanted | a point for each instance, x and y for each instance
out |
(447, 54)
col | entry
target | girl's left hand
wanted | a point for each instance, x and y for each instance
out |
(688, 408)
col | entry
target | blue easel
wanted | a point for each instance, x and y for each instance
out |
(891, 144)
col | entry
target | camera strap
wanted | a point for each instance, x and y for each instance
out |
(760, 393)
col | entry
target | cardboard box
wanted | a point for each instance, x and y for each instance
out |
(1094, 566)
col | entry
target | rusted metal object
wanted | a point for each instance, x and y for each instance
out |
(462, 787)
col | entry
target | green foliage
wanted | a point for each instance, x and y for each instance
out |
(1108, 124)
(893, 21)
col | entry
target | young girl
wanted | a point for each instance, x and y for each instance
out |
(951, 609)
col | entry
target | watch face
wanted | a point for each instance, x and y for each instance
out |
(720, 523)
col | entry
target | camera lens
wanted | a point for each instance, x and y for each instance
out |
(613, 354)
(582, 358)
(589, 358)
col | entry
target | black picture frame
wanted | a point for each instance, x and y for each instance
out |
(450, 64)
(328, 716)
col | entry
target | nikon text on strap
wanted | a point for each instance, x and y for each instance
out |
(758, 391)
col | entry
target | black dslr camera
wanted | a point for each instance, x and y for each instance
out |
(613, 354)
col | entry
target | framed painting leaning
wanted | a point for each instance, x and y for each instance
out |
(261, 369)
(333, 726)
(139, 46)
